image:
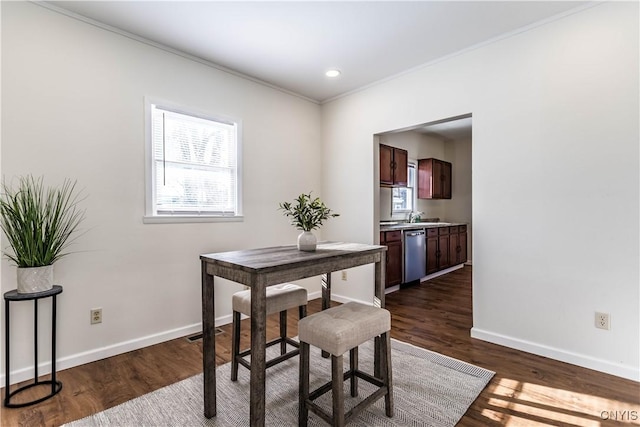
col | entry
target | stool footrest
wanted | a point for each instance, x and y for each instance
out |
(282, 358)
(275, 360)
(365, 403)
(313, 407)
(347, 375)
(326, 387)
(369, 378)
(275, 341)
(361, 406)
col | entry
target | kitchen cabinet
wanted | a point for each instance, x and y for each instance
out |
(443, 247)
(434, 179)
(393, 166)
(393, 241)
(446, 247)
(457, 245)
(432, 250)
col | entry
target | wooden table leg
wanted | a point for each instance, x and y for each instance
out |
(326, 291)
(258, 351)
(208, 343)
(326, 299)
(378, 301)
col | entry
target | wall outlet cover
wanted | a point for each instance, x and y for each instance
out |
(602, 320)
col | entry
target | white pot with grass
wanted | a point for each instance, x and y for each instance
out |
(34, 279)
(307, 214)
(38, 223)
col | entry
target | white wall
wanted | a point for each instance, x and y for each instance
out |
(460, 207)
(72, 106)
(555, 180)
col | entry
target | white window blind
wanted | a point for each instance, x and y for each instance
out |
(195, 164)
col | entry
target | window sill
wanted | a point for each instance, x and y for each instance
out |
(185, 219)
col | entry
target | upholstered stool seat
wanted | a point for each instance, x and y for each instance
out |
(336, 331)
(280, 298)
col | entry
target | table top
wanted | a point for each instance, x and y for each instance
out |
(15, 296)
(265, 259)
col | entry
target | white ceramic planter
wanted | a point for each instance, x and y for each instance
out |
(35, 279)
(307, 241)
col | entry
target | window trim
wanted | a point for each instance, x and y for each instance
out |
(151, 216)
(414, 190)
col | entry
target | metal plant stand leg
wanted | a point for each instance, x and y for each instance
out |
(56, 386)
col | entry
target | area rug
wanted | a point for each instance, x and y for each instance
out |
(429, 390)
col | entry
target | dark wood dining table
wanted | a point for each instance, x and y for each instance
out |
(258, 269)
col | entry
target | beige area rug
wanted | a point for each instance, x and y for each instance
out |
(429, 390)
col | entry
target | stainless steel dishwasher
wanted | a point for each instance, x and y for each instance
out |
(415, 256)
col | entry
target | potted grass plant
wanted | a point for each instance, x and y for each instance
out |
(307, 214)
(39, 223)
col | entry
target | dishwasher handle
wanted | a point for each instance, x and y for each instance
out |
(414, 233)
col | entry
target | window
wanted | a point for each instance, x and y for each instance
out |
(403, 198)
(192, 165)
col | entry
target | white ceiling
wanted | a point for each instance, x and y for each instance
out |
(291, 44)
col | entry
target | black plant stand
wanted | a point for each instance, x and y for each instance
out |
(56, 386)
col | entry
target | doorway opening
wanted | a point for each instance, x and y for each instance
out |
(448, 140)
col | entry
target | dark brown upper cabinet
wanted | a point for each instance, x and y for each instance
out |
(393, 166)
(434, 179)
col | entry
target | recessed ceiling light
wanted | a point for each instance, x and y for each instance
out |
(332, 73)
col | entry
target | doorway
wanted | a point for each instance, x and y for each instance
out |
(449, 140)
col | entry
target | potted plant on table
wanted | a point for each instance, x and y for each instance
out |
(39, 223)
(307, 214)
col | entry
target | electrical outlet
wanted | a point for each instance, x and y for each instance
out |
(602, 320)
(96, 315)
(344, 275)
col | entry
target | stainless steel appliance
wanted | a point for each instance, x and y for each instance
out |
(415, 257)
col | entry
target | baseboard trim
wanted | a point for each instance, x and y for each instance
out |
(582, 360)
(391, 289)
(441, 272)
(25, 374)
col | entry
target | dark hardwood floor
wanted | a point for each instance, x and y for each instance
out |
(527, 390)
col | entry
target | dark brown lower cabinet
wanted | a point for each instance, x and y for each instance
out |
(458, 245)
(432, 250)
(446, 247)
(393, 241)
(443, 248)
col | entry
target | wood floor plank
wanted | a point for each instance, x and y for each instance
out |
(527, 390)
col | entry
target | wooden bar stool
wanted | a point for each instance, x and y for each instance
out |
(279, 299)
(336, 331)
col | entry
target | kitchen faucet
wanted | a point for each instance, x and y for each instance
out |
(414, 215)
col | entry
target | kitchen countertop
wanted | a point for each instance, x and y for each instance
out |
(418, 225)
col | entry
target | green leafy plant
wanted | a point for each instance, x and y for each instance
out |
(307, 213)
(38, 221)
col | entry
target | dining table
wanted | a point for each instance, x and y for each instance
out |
(264, 267)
